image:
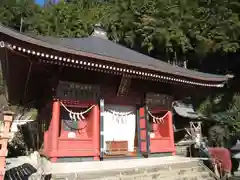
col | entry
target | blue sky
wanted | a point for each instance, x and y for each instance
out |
(40, 2)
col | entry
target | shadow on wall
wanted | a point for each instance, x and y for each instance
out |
(22, 172)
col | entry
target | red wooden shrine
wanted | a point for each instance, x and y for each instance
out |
(84, 140)
(162, 137)
(95, 102)
(80, 142)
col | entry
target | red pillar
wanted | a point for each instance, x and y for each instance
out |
(171, 132)
(55, 128)
(96, 132)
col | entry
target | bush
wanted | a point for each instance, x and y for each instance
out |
(217, 136)
(17, 146)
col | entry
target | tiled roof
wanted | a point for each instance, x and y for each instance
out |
(108, 51)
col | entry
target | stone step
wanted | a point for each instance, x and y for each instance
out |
(178, 171)
(196, 176)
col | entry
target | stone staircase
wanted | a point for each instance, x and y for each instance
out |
(190, 170)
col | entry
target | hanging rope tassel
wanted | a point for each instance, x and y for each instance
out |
(158, 119)
(70, 115)
(120, 116)
(154, 120)
(77, 115)
(81, 114)
(74, 116)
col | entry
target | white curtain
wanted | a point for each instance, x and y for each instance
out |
(108, 129)
(119, 128)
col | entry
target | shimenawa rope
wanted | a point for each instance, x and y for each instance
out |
(79, 115)
(157, 119)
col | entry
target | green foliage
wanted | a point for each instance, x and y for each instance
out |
(232, 115)
(225, 112)
(34, 114)
(174, 30)
(218, 136)
(17, 146)
(14, 12)
(74, 19)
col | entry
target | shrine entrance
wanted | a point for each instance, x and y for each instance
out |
(119, 127)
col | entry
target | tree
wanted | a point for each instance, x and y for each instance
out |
(224, 109)
(14, 12)
(75, 19)
(220, 25)
(175, 31)
(155, 25)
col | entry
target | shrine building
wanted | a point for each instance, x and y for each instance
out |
(96, 99)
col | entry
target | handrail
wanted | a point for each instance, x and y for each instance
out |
(209, 170)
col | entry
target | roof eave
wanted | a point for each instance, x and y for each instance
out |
(216, 82)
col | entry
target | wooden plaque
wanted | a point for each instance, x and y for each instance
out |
(76, 91)
(159, 100)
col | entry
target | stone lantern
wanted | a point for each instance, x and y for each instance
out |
(4, 137)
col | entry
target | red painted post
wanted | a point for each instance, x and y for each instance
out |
(5, 135)
(96, 132)
(55, 129)
(171, 132)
